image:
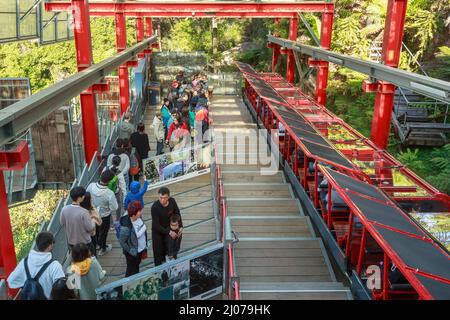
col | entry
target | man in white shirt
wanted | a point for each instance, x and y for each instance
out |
(35, 261)
(104, 200)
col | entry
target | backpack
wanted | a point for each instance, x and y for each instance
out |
(113, 184)
(117, 227)
(134, 164)
(32, 289)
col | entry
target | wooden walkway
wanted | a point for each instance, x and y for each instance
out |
(278, 255)
(194, 198)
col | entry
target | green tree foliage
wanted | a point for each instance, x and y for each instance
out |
(44, 65)
(27, 218)
(439, 168)
(411, 158)
(196, 35)
(48, 64)
(442, 68)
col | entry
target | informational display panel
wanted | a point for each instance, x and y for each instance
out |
(178, 165)
(197, 276)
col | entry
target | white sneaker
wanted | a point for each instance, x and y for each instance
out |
(108, 248)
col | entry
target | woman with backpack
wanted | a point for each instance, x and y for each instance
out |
(133, 237)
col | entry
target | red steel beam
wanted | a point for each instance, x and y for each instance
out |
(139, 29)
(148, 27)
(217, 9)
(121, 42)
(276, 48)
(8, 259)
(384, 100)
(322, 71)
(140, 33)
(83, 45)
(176, 14)
(290, 73)
(148, 32)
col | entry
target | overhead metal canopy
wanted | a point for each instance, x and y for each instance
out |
(431, 87)
(414, 252)
(314, 144)
(23, 114)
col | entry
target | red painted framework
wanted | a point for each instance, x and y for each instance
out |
(202, 10)
(318, 115)
(392, 41)
(15, 159)
(392, 44)
(82, 35)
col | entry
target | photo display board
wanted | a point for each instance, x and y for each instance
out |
(177, 165)
(197, 276)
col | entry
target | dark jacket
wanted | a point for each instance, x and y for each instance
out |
(128, 239)
(161, 217)
(140, 142)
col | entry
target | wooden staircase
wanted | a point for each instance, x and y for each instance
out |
(194, 198)
(278, 255)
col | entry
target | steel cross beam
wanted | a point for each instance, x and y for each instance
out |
(23, 114)
(431, 87)
(201, 10)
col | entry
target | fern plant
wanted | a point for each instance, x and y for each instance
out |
(411, 159)
(440, 162)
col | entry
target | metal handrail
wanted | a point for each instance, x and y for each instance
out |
(434, 102)
(231, 276)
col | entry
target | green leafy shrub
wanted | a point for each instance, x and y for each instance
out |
(27, 218)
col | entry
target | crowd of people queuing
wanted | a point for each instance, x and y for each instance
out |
(116, 203)
(184, 112)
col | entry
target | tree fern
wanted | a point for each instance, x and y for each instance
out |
(422, 26)
(411, 159)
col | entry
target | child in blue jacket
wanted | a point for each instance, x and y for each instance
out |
(136, 194)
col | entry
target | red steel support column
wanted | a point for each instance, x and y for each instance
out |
(322, 71)
(121, 40)
(139, 29)
(82, 35)
(140, 34)
(148, 27)
(392, 44)
(8, 260)
(276, 49)
(148, 32)
(290, 75)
